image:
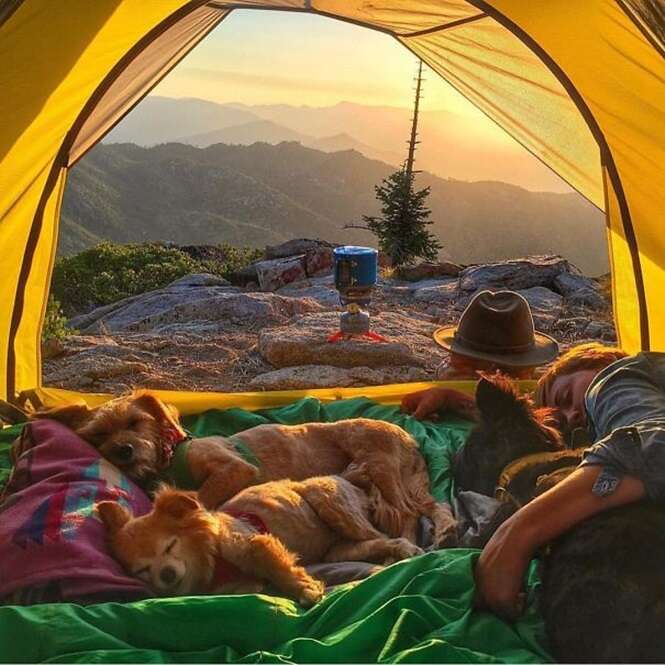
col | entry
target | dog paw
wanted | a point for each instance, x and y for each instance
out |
(446, 539)
(405, 549)
(310, 593)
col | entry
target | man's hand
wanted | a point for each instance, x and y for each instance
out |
(500, 572)
(425, 404)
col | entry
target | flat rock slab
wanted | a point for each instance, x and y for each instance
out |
(428, 270)
(119, 363)
(189, 300)
(443, 293)
(305, 343)
(327, 297)
(326, 376)
(516, 275)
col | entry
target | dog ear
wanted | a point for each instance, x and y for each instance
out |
(165, 414)
(496, 395)
(176, 504)
(113, 515)
(72, 415)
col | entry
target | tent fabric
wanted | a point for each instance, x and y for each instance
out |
(189, 403)
(581, 85)
(415, 611)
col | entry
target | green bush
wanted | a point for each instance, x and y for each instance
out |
(109, 272)
(54, 322)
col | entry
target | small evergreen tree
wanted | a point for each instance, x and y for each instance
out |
(404, 215)
(401, 228)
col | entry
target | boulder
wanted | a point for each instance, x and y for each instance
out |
(400, 289)
(52, 348)
(245, 276)
(587, 298)
(200, 279)
(185, 303)
(327, 376)
(580, 291)
(305, 342)
(515, 274)
(546, 306)
(319, 261)
(429, 270)
(276, 273)
(568, 283)
(600, 330)
(444, 293)
(294, 247)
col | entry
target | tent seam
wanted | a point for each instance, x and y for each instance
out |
(8, 10)
(606, 156)
(70, 164)
(641, 27)
(444, 26)
(61, 162)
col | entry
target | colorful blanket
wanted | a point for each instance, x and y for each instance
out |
(414, 611)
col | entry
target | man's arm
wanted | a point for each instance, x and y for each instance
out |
(433, 401)
(500, 569)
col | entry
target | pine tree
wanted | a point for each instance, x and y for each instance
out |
(401, 228)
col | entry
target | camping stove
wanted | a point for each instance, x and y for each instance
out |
(355, 277)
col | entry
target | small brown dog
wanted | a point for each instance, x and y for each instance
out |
(135, 432)
(142, 436)
(180, 548)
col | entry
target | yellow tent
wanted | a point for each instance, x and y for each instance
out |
(580, 83)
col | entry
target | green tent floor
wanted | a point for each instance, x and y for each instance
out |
(419, 610)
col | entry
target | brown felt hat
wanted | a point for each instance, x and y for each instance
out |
(498, 327)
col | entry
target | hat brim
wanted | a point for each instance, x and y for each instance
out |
(544, 350)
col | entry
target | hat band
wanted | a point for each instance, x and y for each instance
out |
(493, 348)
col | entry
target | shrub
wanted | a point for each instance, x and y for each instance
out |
(55, 322)
(109, 272)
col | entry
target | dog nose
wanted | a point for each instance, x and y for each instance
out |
(168, 575)
(124, 452)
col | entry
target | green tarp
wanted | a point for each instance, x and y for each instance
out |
(414, 611)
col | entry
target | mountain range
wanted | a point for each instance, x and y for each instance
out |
(452, 145)
(264, 194)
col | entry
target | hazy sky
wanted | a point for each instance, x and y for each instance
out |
(272, 57)
(267, 57)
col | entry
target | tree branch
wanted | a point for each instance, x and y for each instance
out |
(355, 226)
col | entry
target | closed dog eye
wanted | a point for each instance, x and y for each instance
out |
(169, 547)
(142, 572)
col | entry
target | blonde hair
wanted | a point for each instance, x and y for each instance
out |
(592, 355)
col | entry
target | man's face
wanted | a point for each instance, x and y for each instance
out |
(566, 395)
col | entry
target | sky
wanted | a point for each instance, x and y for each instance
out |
(269, 57)
(259, 57)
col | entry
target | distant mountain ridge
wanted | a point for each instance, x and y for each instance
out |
(451, 145)
(263, 194)
(267, 131)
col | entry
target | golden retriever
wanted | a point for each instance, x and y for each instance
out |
(142, 436)
(262, 535)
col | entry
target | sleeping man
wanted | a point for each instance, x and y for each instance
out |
(620, 400)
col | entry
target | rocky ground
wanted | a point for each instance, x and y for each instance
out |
(268, 330)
